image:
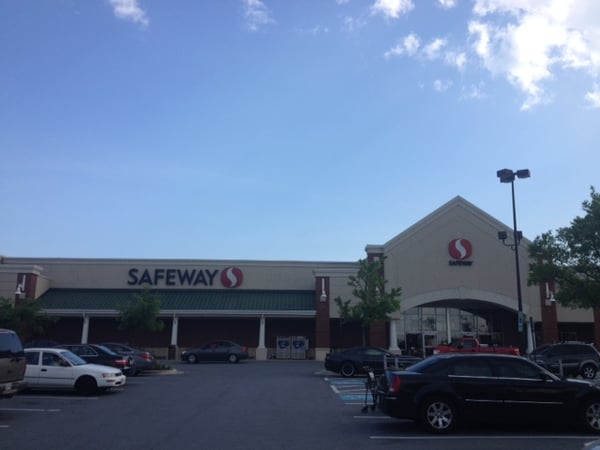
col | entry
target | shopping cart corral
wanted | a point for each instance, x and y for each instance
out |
(390, 362)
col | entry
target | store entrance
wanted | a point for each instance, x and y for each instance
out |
(421, 329)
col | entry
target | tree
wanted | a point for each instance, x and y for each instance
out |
(374, 303)
(25, 317)
(140, 315)
(571, 258)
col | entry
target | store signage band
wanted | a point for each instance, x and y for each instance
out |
(230, 277)
(460, 250)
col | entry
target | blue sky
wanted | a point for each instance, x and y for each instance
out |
(287, 130)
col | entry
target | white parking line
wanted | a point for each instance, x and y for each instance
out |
(28, 410)
(386, 418)
(455, 437)
(53, 397)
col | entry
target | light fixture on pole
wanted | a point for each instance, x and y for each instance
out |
(323, 292)
(20, 288)
(508, 176)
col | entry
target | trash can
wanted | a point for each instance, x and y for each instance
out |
(283, 347)
(299, 347)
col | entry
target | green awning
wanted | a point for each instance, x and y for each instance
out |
(57, 300)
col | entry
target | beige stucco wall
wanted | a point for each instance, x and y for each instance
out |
(114, 273)
(418, 261)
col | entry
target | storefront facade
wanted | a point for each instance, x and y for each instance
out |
(456, 278)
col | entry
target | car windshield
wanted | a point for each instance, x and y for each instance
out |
(106, 349)
(73, 358)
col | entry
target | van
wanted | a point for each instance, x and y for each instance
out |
(12, 364)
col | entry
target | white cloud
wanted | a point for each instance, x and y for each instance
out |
(392, 8)
(594, 96)
(473, 92)
(434, 48)
(456, 59)
(257, 14)
(447, 4)
(526, 40)
(129, 10)
(351, 24)
(409, 46)
(441, 86)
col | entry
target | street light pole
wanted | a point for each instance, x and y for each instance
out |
(508, 176)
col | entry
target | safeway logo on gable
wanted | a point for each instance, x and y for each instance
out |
(460, 250)
(230, 277)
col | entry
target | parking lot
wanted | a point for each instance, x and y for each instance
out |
(267, 405)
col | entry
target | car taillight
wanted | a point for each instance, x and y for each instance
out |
(122, 362)
(147, 356)
(394, 388)
(245, 349)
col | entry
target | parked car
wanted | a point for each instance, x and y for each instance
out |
(352, 361)
(58, 368)
(216, 351)
(568, 359)
(98, 354)
(444, 391)
(142, 360)
(472, 345)
(12, 364)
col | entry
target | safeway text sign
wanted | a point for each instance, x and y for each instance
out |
(229, 277)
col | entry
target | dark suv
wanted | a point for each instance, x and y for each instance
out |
(568, 359)
(12, 364)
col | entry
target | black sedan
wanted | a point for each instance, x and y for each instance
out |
(142, 359)
(216, 351)
(444, 391)
(352, 361)
(98, 354)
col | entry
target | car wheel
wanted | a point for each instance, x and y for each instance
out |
(588, 372)
(438, 415)
(192, 359)
(86, 385)
(591, 416)
(347, 369)
(232, 358)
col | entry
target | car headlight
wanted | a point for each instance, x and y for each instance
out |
(109, 374)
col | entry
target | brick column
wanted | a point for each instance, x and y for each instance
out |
(322, 301)
(26, 284)
(378, 335)
(378, 330)
(549, 315)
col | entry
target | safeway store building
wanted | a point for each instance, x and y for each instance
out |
(457, 279)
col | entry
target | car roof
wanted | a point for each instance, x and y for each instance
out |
(46, 349)
(475, 355)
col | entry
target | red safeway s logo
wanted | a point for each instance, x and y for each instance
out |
(232, 277)
(460, 248)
